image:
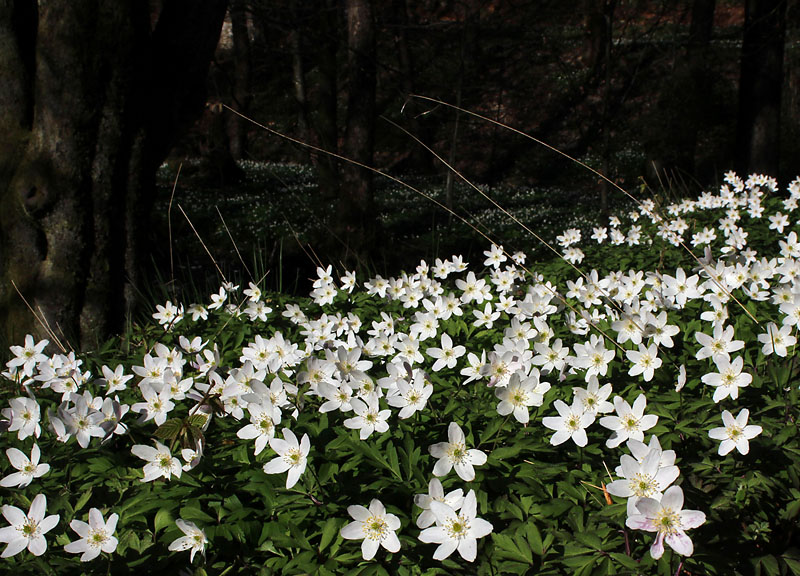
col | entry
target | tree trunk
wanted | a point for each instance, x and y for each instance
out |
(356, 217)
(324, 118)
(237, 126)
(107, 98)
(760, 86)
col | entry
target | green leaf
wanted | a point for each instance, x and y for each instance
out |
(770, 565)
(194, 514)
(534, 538)
(510, 548)
(625, 560)
(394, 463)
(163, 519)
(83, 500)
(169, 430)
(793, 564)
(329, 532)
(197, 419)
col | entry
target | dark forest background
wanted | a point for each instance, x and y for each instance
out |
(96, 98)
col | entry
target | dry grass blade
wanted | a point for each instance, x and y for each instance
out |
(235, 247)
(196, 233)
(169, 227)
(41, 318)
(593, 171)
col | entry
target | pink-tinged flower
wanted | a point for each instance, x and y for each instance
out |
(736, 433)
(27, 530)
(668, 520)
(646, 478)
(455, 454)
(375, 526)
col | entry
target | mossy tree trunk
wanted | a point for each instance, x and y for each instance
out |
(92, 95)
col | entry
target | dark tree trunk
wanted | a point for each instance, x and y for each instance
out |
(356, 217)
(421, 159)
(324, 118)
(237, 126)
(107, 99)
(760, 86)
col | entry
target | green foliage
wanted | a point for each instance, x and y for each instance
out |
(548, 505)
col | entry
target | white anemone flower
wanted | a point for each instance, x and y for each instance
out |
(630, 422)
(571, 422)
(369, 418)
(375, 526)
(96, 536)
(24, 415)
(27, 530)
(456, 530)
(736, 433)
(455, 454)
(292, 456)
(160, 462)
(729, 378)
(28, 468)
(521, 393)
(436, 493)
(777, 340)
(669, 521)
(194, 539)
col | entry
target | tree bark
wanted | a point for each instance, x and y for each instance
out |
(356, 218)
(237, 126)
(324, 118)
(760, 86)
(93, 119)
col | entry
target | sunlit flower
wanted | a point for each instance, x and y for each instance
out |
(28, 356)
(629, 422)
(456, 530)
(455, 454)
(160, 462)
(369, 417)
(520, 394)
(777, 340)
(736, 433)
(292, 456)
(453, 499)
(96, 536)
(28, 468)
(375, 526)
(668, 520)
(571, 422)
(729, 378)
(27, 530)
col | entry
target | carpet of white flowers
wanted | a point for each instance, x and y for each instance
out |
(587, 416)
